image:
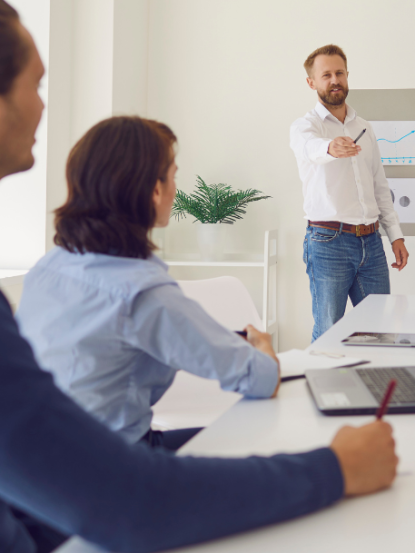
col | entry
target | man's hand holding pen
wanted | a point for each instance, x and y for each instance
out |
(343, 146)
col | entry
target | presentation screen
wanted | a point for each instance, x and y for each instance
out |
(396, 140)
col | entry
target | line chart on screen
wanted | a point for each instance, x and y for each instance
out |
(396, 141)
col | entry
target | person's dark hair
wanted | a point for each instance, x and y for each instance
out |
(13, 51)
(111, 174)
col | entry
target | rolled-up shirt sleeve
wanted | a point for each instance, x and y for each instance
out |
(388, 217)
(307, 141)
(177, 332)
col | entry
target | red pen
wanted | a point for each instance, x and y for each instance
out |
(386, 399)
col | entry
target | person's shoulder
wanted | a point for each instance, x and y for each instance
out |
(14, 349)
(362, 121)
(5, 309)
(53, 259)
(149, 281)
(123, 276)
(142, 274)
(56, 261)
(310, 117)
(119, 275)
(367, 125)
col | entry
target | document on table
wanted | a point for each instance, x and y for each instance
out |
(296, 361)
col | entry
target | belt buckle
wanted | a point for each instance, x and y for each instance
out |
(358, 233)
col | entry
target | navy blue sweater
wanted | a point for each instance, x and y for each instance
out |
(66, 469)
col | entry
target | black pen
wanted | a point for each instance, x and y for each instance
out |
(360, 136)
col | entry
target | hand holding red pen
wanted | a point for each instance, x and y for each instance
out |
(386, 399)
(367, 454)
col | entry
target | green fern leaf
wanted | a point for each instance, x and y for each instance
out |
(214, 203)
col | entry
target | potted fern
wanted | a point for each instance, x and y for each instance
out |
(214, 206)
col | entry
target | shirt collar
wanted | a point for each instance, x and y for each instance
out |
(323, 112)
(155, 259)
(351, 114)
(152, 258)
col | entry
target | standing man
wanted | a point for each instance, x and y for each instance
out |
(346, 196)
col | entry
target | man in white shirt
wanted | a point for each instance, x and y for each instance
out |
(346, 196)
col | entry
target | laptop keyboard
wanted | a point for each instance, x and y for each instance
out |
(377, 381)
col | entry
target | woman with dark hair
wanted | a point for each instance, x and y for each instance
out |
(101, 311)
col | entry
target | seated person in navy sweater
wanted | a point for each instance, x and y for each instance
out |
(67, 471)
(101, 311)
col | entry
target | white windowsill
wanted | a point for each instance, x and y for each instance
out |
(231, 260)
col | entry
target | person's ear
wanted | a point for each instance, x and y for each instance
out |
(157, 193)
(310, 83)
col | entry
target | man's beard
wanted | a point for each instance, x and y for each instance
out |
(334, 100)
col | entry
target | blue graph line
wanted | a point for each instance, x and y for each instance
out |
(390, 159)
(395, 141)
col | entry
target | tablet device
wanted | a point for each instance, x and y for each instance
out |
(380, 339)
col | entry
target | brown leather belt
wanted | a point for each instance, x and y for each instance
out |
(358, 230)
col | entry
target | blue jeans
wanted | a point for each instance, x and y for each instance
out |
(342, 265)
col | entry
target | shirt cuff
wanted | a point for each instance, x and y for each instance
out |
(320, 155)
(394, 233)
(264, 376)
(327, 475)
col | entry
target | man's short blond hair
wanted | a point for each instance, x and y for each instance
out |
(328, 50)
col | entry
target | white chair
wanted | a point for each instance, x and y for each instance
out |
(225, 299)
(193, 401)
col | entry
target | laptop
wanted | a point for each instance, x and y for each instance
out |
(359, 391)
(380, 339)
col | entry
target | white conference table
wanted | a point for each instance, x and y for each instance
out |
(377, 523)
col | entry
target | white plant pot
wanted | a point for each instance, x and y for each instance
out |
(211, 239)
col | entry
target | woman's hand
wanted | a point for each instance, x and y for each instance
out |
(263, 342)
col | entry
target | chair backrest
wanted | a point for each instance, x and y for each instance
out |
(225, 299)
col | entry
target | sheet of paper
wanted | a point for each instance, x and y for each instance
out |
(296, 361)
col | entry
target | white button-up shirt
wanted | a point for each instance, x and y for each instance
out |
(350, 190)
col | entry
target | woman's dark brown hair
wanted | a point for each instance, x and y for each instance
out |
(111, 174)
(14, 52)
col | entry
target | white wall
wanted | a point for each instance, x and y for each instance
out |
(59, 108)
(228, 77)
(98, 61)
(130, 57)
(92, 76)
(23, 196)
(80, 85)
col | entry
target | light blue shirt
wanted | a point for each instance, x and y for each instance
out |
(115, 330)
